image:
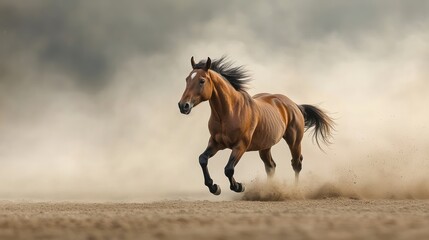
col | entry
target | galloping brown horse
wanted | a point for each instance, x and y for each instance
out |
(243, 123)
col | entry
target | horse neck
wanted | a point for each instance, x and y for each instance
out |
(224, 97)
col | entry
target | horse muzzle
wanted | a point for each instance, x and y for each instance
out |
(185, 108)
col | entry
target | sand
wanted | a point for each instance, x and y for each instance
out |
(334, 218)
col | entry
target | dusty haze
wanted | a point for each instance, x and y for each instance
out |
(89, 92)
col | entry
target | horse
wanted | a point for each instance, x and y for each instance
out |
(243, 123)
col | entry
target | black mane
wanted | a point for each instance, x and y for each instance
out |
(237, 76)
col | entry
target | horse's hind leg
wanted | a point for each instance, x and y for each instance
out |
(270, 165)
(296, 160)
(293, 139)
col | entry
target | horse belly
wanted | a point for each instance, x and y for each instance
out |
(269, 131)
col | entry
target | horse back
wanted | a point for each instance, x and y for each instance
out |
(287, 108)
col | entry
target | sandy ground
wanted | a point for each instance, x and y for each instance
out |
(294, 219)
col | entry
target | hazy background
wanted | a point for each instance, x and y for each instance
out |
(89, 92)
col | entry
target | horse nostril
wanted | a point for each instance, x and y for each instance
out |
(186, 106)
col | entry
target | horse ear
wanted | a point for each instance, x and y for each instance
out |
(208, 64)
(192, 62)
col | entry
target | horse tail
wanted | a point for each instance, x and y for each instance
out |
(322, 123)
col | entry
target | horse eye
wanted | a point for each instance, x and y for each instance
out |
(202, 81)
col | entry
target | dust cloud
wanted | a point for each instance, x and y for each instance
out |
(89, 92)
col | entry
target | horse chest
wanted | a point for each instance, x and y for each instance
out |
(223, 139)
(226, 135)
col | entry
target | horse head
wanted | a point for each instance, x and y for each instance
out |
(199, 87)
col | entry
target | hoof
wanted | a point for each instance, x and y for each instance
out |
(239, 188)
(215, 190)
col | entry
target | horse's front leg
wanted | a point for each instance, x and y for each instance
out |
(236, 154)
(210, 151)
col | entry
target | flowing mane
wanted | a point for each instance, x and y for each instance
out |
(237, 76)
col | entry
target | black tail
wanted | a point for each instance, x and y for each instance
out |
(322, 123)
